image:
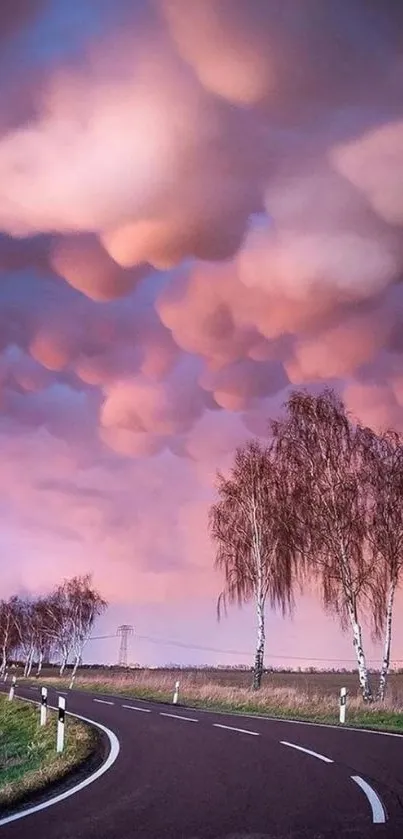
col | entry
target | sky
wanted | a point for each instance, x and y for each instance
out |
(201, 208)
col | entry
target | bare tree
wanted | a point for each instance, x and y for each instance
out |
(70, 613)
(44, 643)
(26, 624)
(322, 453)
(8, 636)
(383, 478)
(57, 626)
(250, 525)
(85, 605)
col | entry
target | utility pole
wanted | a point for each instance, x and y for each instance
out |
(124, 631)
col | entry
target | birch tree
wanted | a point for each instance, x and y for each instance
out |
(250, 526)
(323, 454)
(25, 621)
(70, 615)
(383, 479)
(85, 605)
(58, 626)
(8, 637)
(44, 643)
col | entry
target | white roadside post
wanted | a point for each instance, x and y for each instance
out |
(176, 693)
(44, 705)
(12, 689)
(6, 676)
(343, 702)
(60, 724)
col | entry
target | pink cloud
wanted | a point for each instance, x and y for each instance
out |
(260, 156)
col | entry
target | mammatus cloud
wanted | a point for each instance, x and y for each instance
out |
(200, 207)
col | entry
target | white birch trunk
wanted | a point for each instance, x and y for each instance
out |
(40, 662)
(3, 665)
(259, 655)
(26, 666)
(361, 662)
(64, 662)
(30, 662)
(388, 638)
(260, 599)
(73, 675)
(355, 625)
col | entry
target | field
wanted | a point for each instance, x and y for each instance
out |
(312, 696)
(28, 757)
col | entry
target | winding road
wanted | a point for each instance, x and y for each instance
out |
(190, 774)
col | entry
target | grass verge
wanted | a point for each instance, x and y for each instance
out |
(28, 758)
(280, 702)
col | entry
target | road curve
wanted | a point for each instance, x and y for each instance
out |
(187, 774)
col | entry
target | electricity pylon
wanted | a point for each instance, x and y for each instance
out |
(124, 631)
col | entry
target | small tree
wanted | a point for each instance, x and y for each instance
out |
(44, 643)
(8, 635)
(85, 605)
(382, 476)
(26, 629)
(322, 455)
(70, 614)
(250, 525)
(57, 625)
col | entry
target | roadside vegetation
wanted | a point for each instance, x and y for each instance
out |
(303, 696)
(28, 758)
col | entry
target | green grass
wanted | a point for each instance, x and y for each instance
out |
(291, 701)
(28, 758)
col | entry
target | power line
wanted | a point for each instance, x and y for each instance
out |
(184, 645)
(101, 637)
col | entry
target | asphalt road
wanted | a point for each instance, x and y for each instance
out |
(183, 774)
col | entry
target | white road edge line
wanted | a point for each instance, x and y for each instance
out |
(241, 730)
(110, 760)
(103, 701)
(177, 717)
(378, 810)
(133, 708)
(307, 751)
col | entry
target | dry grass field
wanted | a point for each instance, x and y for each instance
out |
(300, 695)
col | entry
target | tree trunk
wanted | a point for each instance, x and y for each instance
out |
(388, 637)
(3, 665)
(40, 662)
(259, 655)
(63, 664)
(29, 662)
(362, 665)
(73, 675)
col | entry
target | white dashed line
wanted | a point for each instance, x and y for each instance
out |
(307, 751)
(103, 702)
(177, 717)
(133, 708)
(378, 810)
(297, 722)
(240, 730)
